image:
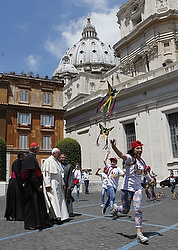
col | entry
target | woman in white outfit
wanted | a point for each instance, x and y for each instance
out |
(131, 189)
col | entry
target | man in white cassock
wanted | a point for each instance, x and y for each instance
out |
(54, 188)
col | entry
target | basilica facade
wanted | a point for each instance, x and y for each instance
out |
(144, 65)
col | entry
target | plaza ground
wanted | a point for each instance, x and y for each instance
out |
(90, 229)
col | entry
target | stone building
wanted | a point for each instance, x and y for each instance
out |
(31, 109)
(144, 63)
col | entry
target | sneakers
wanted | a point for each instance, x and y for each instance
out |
(114, 211)
(102, 205)
(103, 210)
(141, 238)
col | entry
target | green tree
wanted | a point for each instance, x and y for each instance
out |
(72, 149)
(2, 159)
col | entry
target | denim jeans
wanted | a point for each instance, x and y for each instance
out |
(86, 182)
(173, 185)
(111, 192)
(78, 190)
(103, 191)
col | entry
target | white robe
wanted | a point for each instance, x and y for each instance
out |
(55, 199)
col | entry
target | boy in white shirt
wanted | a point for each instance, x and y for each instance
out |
(104, 180)
(113, 178)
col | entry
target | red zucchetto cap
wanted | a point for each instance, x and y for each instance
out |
(136, 144)
(34, 144)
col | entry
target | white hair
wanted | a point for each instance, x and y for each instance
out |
(55, 150)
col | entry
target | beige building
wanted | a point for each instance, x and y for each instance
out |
(31, 109)
(144, 63)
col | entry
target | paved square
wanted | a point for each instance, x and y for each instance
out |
(93, 230)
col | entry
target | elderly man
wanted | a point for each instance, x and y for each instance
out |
(36, 216)
(54, 187)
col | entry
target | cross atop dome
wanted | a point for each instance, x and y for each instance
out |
(89, 30)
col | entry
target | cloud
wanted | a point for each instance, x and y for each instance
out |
(102, 22)
(23, 26)
(32, 62)
(105, 24)
(93, 4)
(55, 47)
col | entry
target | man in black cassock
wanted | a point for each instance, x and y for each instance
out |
(36, 216)
(69, 184)
(15, 192)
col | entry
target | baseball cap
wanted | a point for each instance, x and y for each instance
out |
(113, 158)
(136, 144)
(105, 168)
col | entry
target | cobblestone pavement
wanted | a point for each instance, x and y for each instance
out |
(93, 230)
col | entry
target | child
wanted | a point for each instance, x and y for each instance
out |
(113, 178)
(104, 181)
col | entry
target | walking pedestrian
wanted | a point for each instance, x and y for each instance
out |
(54, 187)
(172, 181)
(86, 173)
(78, 178)
(36, 216)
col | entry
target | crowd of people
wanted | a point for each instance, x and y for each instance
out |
(40, 196)
(43, 196)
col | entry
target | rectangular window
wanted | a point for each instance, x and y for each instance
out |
(24, 118)
(173, 123)
(130, 134)
(46, 142)
(167, 47)
(23, 141)
(47, 120)
(46, 98)
(24, 96)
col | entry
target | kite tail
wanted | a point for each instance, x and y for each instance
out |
(100, 104)
(112, 107)
(103, 137)
(109, 104)
(104, 105)
(106, 145)
(97, 141)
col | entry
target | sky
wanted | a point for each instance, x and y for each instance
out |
(35, 34)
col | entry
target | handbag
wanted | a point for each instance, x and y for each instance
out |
(76, 181)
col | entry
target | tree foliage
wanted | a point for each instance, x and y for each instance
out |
(2, 159)
(72, 149)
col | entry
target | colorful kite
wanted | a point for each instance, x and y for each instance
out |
(104, 132)
(110, 102)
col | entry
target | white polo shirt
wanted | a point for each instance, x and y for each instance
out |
(133, 174)
(113, 175)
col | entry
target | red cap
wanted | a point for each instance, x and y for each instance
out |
(34, 144)
(114, 158)
(105, 168)
(136, 144)
(148, 167)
